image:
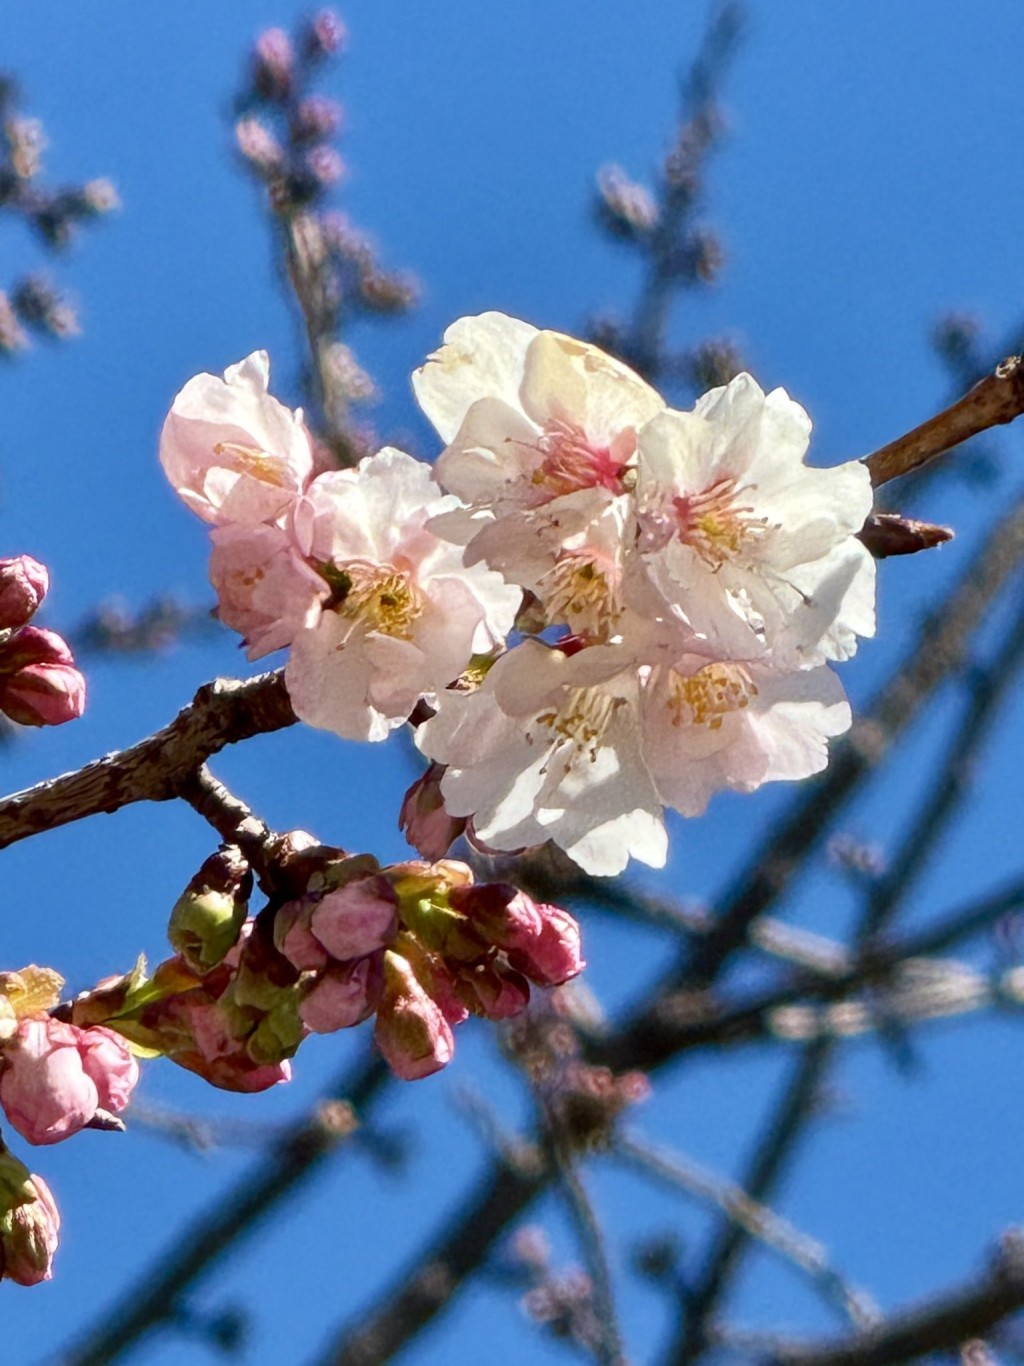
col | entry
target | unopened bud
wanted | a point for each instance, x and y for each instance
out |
(423, 818)
(23, 585)
(208, 917)
(273, 64)
(39, 684)
(412, 1031)
(325, 35)
(29, 1224)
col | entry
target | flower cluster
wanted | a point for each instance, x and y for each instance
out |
(679, 584)
(39, 684)
(419, 946)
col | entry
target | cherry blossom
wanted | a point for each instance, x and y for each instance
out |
(753, 549)
(406, 616)
(232, 452)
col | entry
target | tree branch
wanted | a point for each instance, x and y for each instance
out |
(221, 713)
(941, 1324)
(997, 399)
(160, 1293)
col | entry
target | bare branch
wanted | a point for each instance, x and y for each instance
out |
(996, 399)
(757, 1220)
(941, 1324)
(221, 713)
(160, 1293)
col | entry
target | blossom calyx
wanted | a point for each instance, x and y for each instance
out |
(208, 916)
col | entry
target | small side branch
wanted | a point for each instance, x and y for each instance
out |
(221, 713)
(995, 400)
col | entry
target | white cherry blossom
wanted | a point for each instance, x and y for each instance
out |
(753, 549)
(406, 615)
(549, 747)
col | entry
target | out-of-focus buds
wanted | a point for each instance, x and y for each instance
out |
(39, 684)
(259, 146)
(324, 36)
(23, 585)
(316, 117)
(423, 818)
(208, 917)
(29, 1224)
(625, 207)
(273, 64)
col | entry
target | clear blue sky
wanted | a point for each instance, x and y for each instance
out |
(872, 179)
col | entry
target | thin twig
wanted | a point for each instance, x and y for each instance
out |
(609, 1349)
(997, 399)
(161, 1290)
(940, 1324)
(757, 1220)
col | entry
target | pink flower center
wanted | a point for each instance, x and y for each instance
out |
(714, 525)
(571, 461)
(707, 697)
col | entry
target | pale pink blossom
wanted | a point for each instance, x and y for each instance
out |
(406, 617)
(55, 1076)
(752, 549)
(233, 453)
(709, 727)
(265, 590)
(532, 420)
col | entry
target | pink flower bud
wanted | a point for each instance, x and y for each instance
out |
(356, 919)
(345, 995)
(39, 685)
(423, 818)
(273, 64)
(23, 585)
(412, 1032)
(498, 993)
(325, 35)
(44, 1088)
(294, 938)
(108, 1061)
(28, 1235)
(554, 956)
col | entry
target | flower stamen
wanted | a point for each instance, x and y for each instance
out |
(707, 697)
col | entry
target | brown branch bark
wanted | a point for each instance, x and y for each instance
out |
(941, 1324)
(221, 713)
(997, 399)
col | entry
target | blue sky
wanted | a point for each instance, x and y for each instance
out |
(871, 181)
